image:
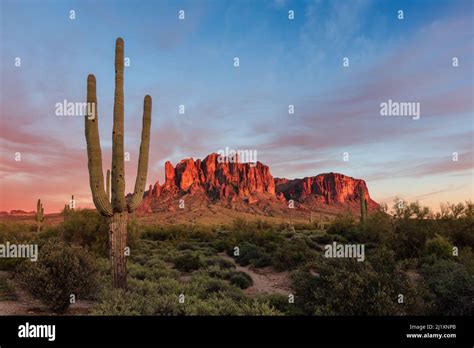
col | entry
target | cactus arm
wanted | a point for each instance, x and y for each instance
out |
(94, 153)
(118, 175)
(140, 181)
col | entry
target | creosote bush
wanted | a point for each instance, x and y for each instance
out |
(61, 271)
(188, 262)
(241, 280)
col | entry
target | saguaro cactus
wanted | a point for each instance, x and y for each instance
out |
(118, 208)
(363, 206)
(39, 215)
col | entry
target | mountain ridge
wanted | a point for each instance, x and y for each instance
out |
(251, 187)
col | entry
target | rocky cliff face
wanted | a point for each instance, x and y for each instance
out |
(326, 188)
(217, 180)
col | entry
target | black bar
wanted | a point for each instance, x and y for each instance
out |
(240, 330)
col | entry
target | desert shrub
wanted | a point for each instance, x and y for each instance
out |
(87, 228)
(247, 253)
(291, 255)
(199, 307)
(259, 309)
(303, 226)
(61, 270)
(217, 272)
(152, 273)
(345, 225)
(452, 285)
(175, 232)
(120, 302)
(262, 224)
(225, 264)
(166, 305)
(378, 227)
(409, 238)
(349, 287)
(185, 246)
(263, 260)
(188, 262)
(203, 286)
(7, 292)
(323, 239)
(10, 264)
(439, 247)
(461, 234)
(241, 280)
(47, 233)
(16, 232)
(202, 233)
(240, 225)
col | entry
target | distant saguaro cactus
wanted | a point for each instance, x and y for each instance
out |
(363, 207)
(118, 208)
(39, 215)
(69, 208)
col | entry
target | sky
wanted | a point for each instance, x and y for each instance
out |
(336, 126)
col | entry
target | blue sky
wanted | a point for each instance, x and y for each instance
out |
(190, 62)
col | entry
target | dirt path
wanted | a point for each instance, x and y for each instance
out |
(265, 280)
(25, 304)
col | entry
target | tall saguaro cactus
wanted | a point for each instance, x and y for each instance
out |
(39, 215)
(116, 210)
(363, 206)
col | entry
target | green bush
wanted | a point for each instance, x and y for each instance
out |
(291, 255)
(247, 253)
(61, 270)
(452, 285)
(241, 280)
(349, 287)
(439, 247)
(120, 302)
(87, 228)
(188, 262)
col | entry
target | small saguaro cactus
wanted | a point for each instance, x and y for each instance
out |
(72, 203)
(116, 210)
(39, 215)
(363, 206)
(69, 208)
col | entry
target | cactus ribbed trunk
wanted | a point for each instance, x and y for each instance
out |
(117, 245)
(107, 184)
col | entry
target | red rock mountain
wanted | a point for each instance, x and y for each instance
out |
(217, 181)
(329, 188)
